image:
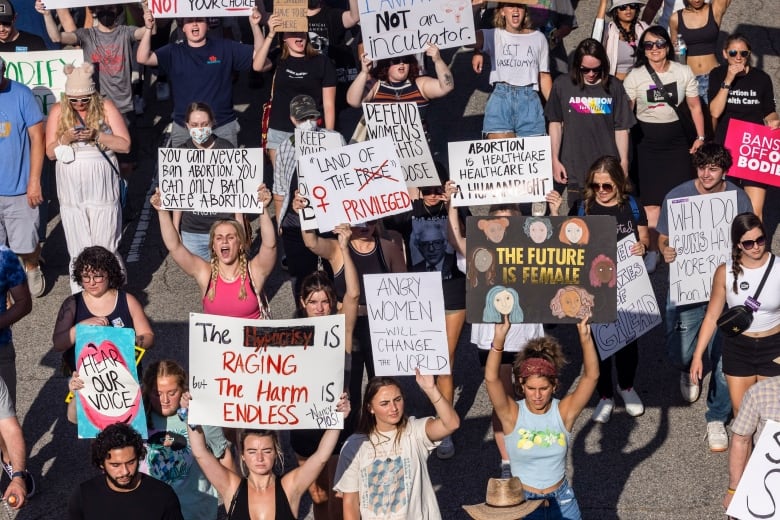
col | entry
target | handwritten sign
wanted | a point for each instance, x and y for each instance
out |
(306, 143)
(402, 123)
(406, 319)
(199, 8)
(755, 150)
(293, 15)
(111, 393)
(275, 374)
(42, 72)
(758, 492)
(357, 183)
(496, 171)
(637, 307)
(211, 179)
(400, 28)
(541, 269)
(66, 4)
(699, 229)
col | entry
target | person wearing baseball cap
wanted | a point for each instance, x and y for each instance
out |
(12, 39)
(622, 33)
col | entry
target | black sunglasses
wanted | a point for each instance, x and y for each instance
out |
(73, 101)
(607, 187)
(432, 191)
(750, 244)
(588, 70)
(635, 7)
(398, 61)
(659, 44)
(733, 53)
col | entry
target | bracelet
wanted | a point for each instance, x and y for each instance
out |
(19, 474)
(494, 349)
(441, 396)
(731, 491)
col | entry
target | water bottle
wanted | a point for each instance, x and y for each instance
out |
(681, 50)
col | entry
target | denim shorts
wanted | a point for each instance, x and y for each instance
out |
(513, 109)
(704, 85)
(561, 504)
(275, 138)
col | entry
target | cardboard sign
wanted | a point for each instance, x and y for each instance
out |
(293, 15)
(700, 231)
(403, 124)
(401, 28)
(637, 308)
(307, 143)
(210, 180)
(498, 171)
(758, 492)
(273, 374)
(541, 269)
(42, 72)
(755, 150)
(199, 8)
(357, 183)
(105, 361)
(406, 318)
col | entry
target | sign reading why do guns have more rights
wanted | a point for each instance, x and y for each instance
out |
(541, 269)
(357, 183)
(306, 143)
(406, 318)
(758, 493)
(496, 171)
(211, 179)
(105, 361)
(398, 28)
(755, 150)
(275, 374)
(198, 8)
(700, 232)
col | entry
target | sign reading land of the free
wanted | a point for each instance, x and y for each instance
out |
(210, 180)
(755, 150)
(757, 496)
(42, 72)
(308, 142)
(406, 319)
(199, 8)
(700, 232)
(292, 14)
(392, 28)
(500, 171)
(275, 374)
(357, 183)
(637, 307)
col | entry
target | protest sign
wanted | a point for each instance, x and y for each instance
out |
(637, 308)
(402, 122)
(758, 492)
(406, 319)
(755, 150)
(292, 14)
(42, 72)
(67, 4)
(308, 142)
(275, 374)
(357, 183)
(401, 28)
(499, 171)
(105, 361)
(199, 8)
(541, 269)
(700, 232)
(210, 180)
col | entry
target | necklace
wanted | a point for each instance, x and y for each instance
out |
(228, 278)
(439, 207)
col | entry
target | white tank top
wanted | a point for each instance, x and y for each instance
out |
(768, 315)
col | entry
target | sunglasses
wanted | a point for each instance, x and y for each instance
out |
(607, 187)
(733, 53)
(73, 101)
(659, 44)
(750, 244)
(398, 61)
(588, 70)
(635, 7)
(6, 24)
(431, 191)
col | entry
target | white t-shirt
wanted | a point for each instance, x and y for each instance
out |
(651, 106)
(519, 334)
(516, 59)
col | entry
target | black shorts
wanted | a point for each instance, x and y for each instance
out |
(744, 356)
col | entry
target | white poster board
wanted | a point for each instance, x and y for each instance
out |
(406, 319)
(66, 4)
(402, 28)
(357, 183)
(402, 123)
(274, 374)
(501, 171)
(637, 307)
(200, 8)
(700, 231)
(758, 492)
(306, 143)
(210, 180)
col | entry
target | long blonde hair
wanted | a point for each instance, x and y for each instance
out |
(95, 118)
(242, 262)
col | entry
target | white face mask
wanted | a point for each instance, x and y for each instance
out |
(308, 125)
(200, 135)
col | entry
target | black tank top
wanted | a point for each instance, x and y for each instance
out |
(368, 263)
(701, 41)
(241, 509)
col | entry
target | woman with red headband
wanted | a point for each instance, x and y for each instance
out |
(537, 427)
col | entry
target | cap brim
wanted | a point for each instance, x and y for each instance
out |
(486, 512)
(518, 2)
(307, 115)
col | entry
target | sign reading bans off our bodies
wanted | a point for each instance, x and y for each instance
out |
(758, 493)
(398, 28)
(755, 150)
(275, 374)
(211, 180)
(42, 72)
(406, 318)
(308, 142)
(700, 232)
(500, 171)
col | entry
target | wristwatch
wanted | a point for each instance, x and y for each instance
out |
(701, 138)
(20, 474)
(725, 85)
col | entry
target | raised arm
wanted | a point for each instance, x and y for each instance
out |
(329, 107)
(454, 230)
(223, 479)
(598, 23)
(264, 262)
(327, 248)
(68, 36)
(260, 61)
(719, 8)
(350, 302)
(358, 85)
(443, 84)
(351, 17)
(572, 405)
(446, 421)
(504, 404)
(710, 322)
(144, 55)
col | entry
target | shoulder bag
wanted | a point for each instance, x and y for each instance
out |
(736, 320)
(266, 115)
(683, 114)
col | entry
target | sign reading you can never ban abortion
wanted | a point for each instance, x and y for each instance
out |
(198, 8)
(496, 171)
(700, 232)
(406, 318)
(758, 493)
(307, 143)
(755, 150)
(397, 28)
(275, 374)
(42, 72)
(211, 180)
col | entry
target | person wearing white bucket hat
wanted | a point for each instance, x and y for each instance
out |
(622, 34)
(504, 500)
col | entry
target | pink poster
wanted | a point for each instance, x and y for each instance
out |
(755, 150)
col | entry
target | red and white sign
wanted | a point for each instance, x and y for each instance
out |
(755, 150)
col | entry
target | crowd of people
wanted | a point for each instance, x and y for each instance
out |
(631, 125)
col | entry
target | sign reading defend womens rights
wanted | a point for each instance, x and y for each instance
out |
(541, 269)
(755, 150)
(500, 171)
(42, 72)
(274, 374)
(392, 28)
(210, 180)
(758, 491)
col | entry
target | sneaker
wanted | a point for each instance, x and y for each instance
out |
(651, 261)
(139, 105)
(163, 91)
(506, 470)
(603, 411)
(36, 282)
(634, 406)
(446, 449)
(717, 437)
(690, 392)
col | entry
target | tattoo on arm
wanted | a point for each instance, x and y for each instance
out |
(448, 80)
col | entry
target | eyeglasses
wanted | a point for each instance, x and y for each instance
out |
(607, 187)
(733, 53)
(659, 44)
(588, 70)
(97, 278)
(398, 61)
(635, 7)
(750, 244)
(432, 244)
(74, 101)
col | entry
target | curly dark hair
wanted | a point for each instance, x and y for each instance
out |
(712, 154)
(99, 259)
(383, 66)
(116, 436)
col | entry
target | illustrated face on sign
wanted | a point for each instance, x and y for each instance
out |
(483, 260)
(494, 228)
(432, 244)
(603, 272)
(571, 302)
(538, 229)
(503, 302)
(574, 231)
